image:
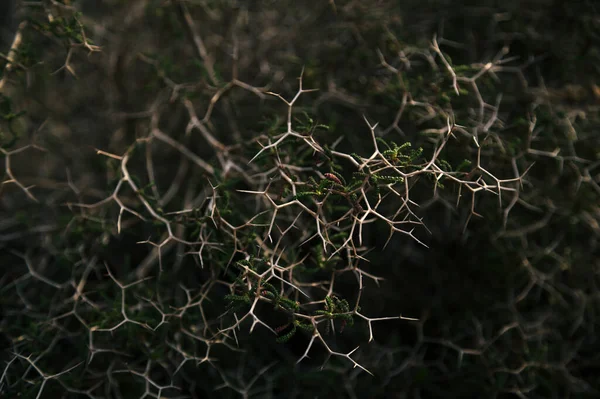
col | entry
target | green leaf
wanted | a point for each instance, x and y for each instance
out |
(286, 337)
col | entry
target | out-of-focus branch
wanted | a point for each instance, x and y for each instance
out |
(17, 40)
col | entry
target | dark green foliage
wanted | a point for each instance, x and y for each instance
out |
(301, 199)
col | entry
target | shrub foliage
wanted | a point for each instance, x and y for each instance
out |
(299, 199)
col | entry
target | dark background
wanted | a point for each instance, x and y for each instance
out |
(507, 301)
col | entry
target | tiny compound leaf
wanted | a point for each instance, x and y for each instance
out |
(357, 158)
(329, 304)
(390, 179)
(269, 287)
(403, 146)
(304, 326)
(464, 164)
(237, 298)
(323, 312)
(287, 336)
(289, 304)
(305, 194)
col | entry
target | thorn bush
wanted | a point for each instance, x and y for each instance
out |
(323, 199)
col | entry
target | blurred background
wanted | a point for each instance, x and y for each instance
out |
(503, 282)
